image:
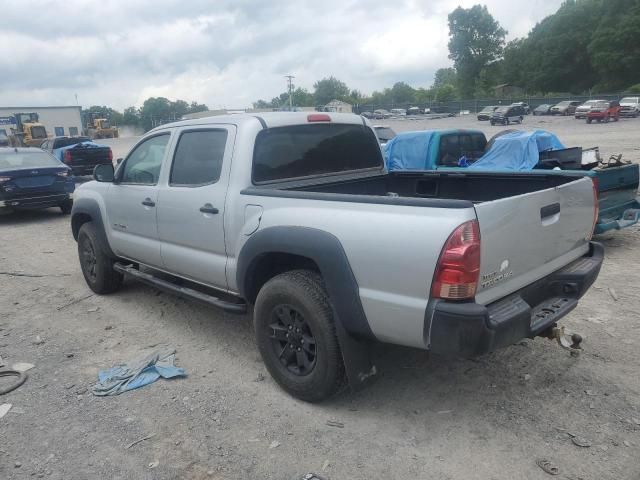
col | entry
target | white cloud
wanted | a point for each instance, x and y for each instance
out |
(228, 52)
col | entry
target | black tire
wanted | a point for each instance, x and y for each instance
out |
(588, 120)
(95, 263)
(311, 371)
(66, 207)
(492, 123)
(506, 122)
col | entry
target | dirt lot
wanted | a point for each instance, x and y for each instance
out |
(489, 418)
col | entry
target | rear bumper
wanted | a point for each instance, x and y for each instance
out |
(86, 169)
(470, 329)
(40, 201)
(629, 217)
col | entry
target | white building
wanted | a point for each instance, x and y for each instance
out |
(57, 120)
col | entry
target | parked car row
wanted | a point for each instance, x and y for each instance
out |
(628, 107)
(32, 178)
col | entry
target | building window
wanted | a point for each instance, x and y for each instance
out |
(73, 131)
(59, 131)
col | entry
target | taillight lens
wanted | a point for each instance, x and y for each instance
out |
(458, 269)
(318, 117)
(596, 206)
(110, 156)
(67, 156)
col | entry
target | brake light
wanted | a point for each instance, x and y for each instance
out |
(458, 269)
(110, 156)
(596, 206)
(67, 156)
(318, 117)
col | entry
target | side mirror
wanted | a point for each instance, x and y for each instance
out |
(119, 161)
(103, 173)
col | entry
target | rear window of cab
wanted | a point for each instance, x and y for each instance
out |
(297, 151)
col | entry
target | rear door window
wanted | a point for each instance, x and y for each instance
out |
(297, 151)
(198, 158)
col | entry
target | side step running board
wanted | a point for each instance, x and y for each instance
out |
(180, 290)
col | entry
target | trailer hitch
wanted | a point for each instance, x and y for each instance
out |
(567, 341)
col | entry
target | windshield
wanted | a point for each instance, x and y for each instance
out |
(544, 106)
(502, 109)
(303, 150)
(487, 109)
(630, 100)
(564, 104)
(12, 160)
(601, 105)
(65, 142)
(38, 132)
(385, 133)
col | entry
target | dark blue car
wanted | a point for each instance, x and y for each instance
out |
(31, 178)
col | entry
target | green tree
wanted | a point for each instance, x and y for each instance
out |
(444, 76)
(329, 89)
(476, 40)
(615, 46)
(402, 93)
(131, 116)
(445, 93)
(195, 107)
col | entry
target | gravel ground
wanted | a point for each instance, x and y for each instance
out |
(488, 418)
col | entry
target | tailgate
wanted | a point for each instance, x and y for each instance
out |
(527, 237)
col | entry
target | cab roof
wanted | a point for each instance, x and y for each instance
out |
(270, 119)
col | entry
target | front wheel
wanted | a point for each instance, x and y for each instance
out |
(296, 335)
(588, 120)
(96, 264)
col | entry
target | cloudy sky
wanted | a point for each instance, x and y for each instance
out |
(225, 53)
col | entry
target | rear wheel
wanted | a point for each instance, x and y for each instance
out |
(96, 264)
(588, 120)
(296, 335)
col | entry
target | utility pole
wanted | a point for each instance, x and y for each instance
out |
(290, 88)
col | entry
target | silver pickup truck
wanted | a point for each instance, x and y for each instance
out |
(292, 216)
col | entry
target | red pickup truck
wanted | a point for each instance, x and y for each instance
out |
(604, 112)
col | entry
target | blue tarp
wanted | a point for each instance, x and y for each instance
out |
(138, 373)
(409, 151)
(517, 151)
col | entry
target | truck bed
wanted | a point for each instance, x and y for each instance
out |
(475, 187)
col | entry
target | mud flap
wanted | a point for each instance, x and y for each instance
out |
(356, 355)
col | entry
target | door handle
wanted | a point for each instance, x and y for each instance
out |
(147, 202)
(208, 208)
(549, 210)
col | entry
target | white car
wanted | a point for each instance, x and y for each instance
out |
(582, 110)
(630, 107)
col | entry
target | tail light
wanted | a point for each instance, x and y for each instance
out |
(596, 206)
(67, 157)
(318, 117)
(458, 269)
(110, 156)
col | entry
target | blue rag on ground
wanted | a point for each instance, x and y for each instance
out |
(138, 373)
